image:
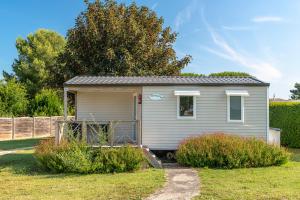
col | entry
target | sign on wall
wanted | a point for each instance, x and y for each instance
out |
(156, 97)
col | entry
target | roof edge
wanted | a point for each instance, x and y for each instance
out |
(170, 84)
(261, 83)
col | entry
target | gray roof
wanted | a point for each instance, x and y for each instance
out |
(162, 80)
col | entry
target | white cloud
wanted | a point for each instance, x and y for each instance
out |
(216, 52)
(262, 19)
(261, 68)
(185, 15)
(238, 28)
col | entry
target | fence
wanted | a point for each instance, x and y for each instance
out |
(28, 127)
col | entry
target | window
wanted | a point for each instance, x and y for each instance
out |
(235, 105)
(186, 103)
(186, 107)
(235, 108)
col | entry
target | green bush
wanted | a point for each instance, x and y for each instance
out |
(68, 157)
(286, 116)
(47, 103)
(231, 74)
(13, 99)
(120, 159)
(76, 157)
(229, 151)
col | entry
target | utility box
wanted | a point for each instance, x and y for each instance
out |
(274, 136)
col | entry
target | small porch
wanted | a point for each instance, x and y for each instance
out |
(99, 133)
(104, 116)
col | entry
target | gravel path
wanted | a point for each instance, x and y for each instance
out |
(182, 184)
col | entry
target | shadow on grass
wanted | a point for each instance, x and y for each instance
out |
(15, 144)
(18, 162)
(26, 164)
(295, 154)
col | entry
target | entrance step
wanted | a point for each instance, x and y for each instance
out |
(152, 158)
(170, 165)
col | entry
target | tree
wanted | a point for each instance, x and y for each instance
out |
(37, 64)
(13, 99)
(192, 74)
(296, 92)
(47, 103)
(232, 74)
(119, 40)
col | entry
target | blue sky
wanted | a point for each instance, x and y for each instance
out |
(258, 37)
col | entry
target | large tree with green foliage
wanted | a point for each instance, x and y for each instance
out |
(13, 98)
(37, 64)
(190, 74)
(47, 102)
(114, 39)
(231, 74)
(296, 92)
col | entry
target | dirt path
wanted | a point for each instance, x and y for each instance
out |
(182, 184)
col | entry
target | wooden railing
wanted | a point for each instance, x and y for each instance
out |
(100, 133)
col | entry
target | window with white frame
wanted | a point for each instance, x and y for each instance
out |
(235, 108)
(186, 104)
(235, 105)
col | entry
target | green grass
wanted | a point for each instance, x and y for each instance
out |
(281, 182)
(14, 144)
(20, 179)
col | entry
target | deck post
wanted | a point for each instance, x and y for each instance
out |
(84, 131)
(138, 133)
(65, 103)
(111, 131)
(65, 124)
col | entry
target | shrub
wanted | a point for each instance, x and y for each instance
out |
(286, 116)
(229, 151)
(120, 159)
(13, 99)
(47, 103)
(76, 157)
(72, 157)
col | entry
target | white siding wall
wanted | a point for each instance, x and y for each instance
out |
(104, 106)
(97, 106)
(162, 130)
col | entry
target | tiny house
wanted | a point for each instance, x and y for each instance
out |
(160, 111)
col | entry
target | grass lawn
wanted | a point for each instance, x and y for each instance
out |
(14, 144)
(19, 179)
(256, 183)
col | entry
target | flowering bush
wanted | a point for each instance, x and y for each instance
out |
(229, 151)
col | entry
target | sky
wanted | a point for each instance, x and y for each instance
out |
(258, 37)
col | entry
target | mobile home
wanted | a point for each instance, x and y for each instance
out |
(166, 110)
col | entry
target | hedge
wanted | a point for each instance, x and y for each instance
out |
(286, 116)
(229, 151)
(78, 157)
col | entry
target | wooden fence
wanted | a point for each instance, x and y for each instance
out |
(27, 127)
